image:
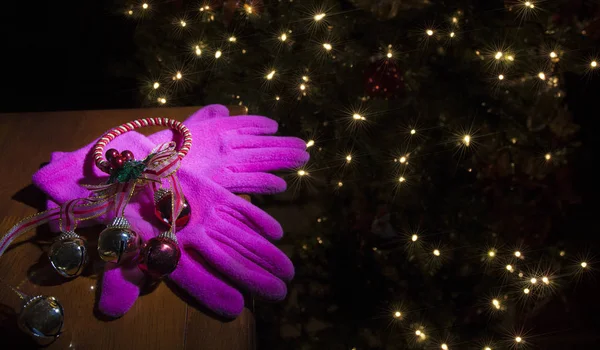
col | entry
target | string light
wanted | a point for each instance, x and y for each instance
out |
(277, 98)
(302, 87)
(498, 55)
(491, 253)
(526, 290)
(418, 332)
(340, 184)
(542, 75)
(553, 54)
(397, 314)
(501, 77)
(429, 32)
(162, 100)
(310, 143)
(182, 23)
(327, 46)
(145, 6)
(452, 34)
(454, 20)
(487, 348)
(548, 156)
(533, 280)
(348, 158)
(248, 8)
(389, 54)
(509, 268)
(518, 254)
(130, 12)
(518, 339)
(270, 75)
(414, 238)
(584, 264)
(402, 179)
(436, 252)
(283, 37)
(444, 346)
(510, 58)
(496, 303)
(357, 116)
(218, 53)
(562, 253)
(413, 131)
(467, 140)
(593, 64)
(402, 159)
(198, 50)
(232, 39)
(302, 173)
(156, 85)
(305, 78)
(319, 16)
(178, 76)
(545, 280)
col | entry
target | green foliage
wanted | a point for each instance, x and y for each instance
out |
(499, 191)
(130, 171)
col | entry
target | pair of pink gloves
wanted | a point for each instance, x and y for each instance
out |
(226, 244)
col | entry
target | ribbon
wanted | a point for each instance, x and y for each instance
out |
(162, 163)
(79, 210)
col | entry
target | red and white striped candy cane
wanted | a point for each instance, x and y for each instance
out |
(110, 135)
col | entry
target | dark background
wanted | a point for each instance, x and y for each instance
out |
(81, 55)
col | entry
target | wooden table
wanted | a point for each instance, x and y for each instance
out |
(159, 319)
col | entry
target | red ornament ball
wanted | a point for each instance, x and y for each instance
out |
(159, 257)
(111, 154)
(383, 79)
(128, 155)
(162, 210)
(117, 162)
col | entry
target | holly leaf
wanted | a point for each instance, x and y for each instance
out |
(130, 171)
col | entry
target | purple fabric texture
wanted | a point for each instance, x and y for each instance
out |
(226, 243)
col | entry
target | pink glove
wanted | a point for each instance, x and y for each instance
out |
(247, 259)
(237, 153)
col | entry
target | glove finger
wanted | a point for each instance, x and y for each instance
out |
(120, 289)
(208, 112)
(249, 217)
(244, 125)
(266, 159)
(237, 268)
(254, 141)
(259, 183)
(201, 282)
(253, 247)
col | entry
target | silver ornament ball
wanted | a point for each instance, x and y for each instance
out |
(118, 242)
(68, 255)
(42, 317)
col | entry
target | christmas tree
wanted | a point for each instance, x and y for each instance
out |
(441, 143)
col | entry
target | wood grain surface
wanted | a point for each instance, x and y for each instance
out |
(163, 318)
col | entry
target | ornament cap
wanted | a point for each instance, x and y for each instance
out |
(160, 194)
(119, 222)
(67, 235)
(169, 235)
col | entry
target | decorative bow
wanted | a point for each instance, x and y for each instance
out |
(162, 163)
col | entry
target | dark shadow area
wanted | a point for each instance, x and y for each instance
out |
(67, 56)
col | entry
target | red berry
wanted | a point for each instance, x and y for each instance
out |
(111, 154)
(117, 162)
(127, 154)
